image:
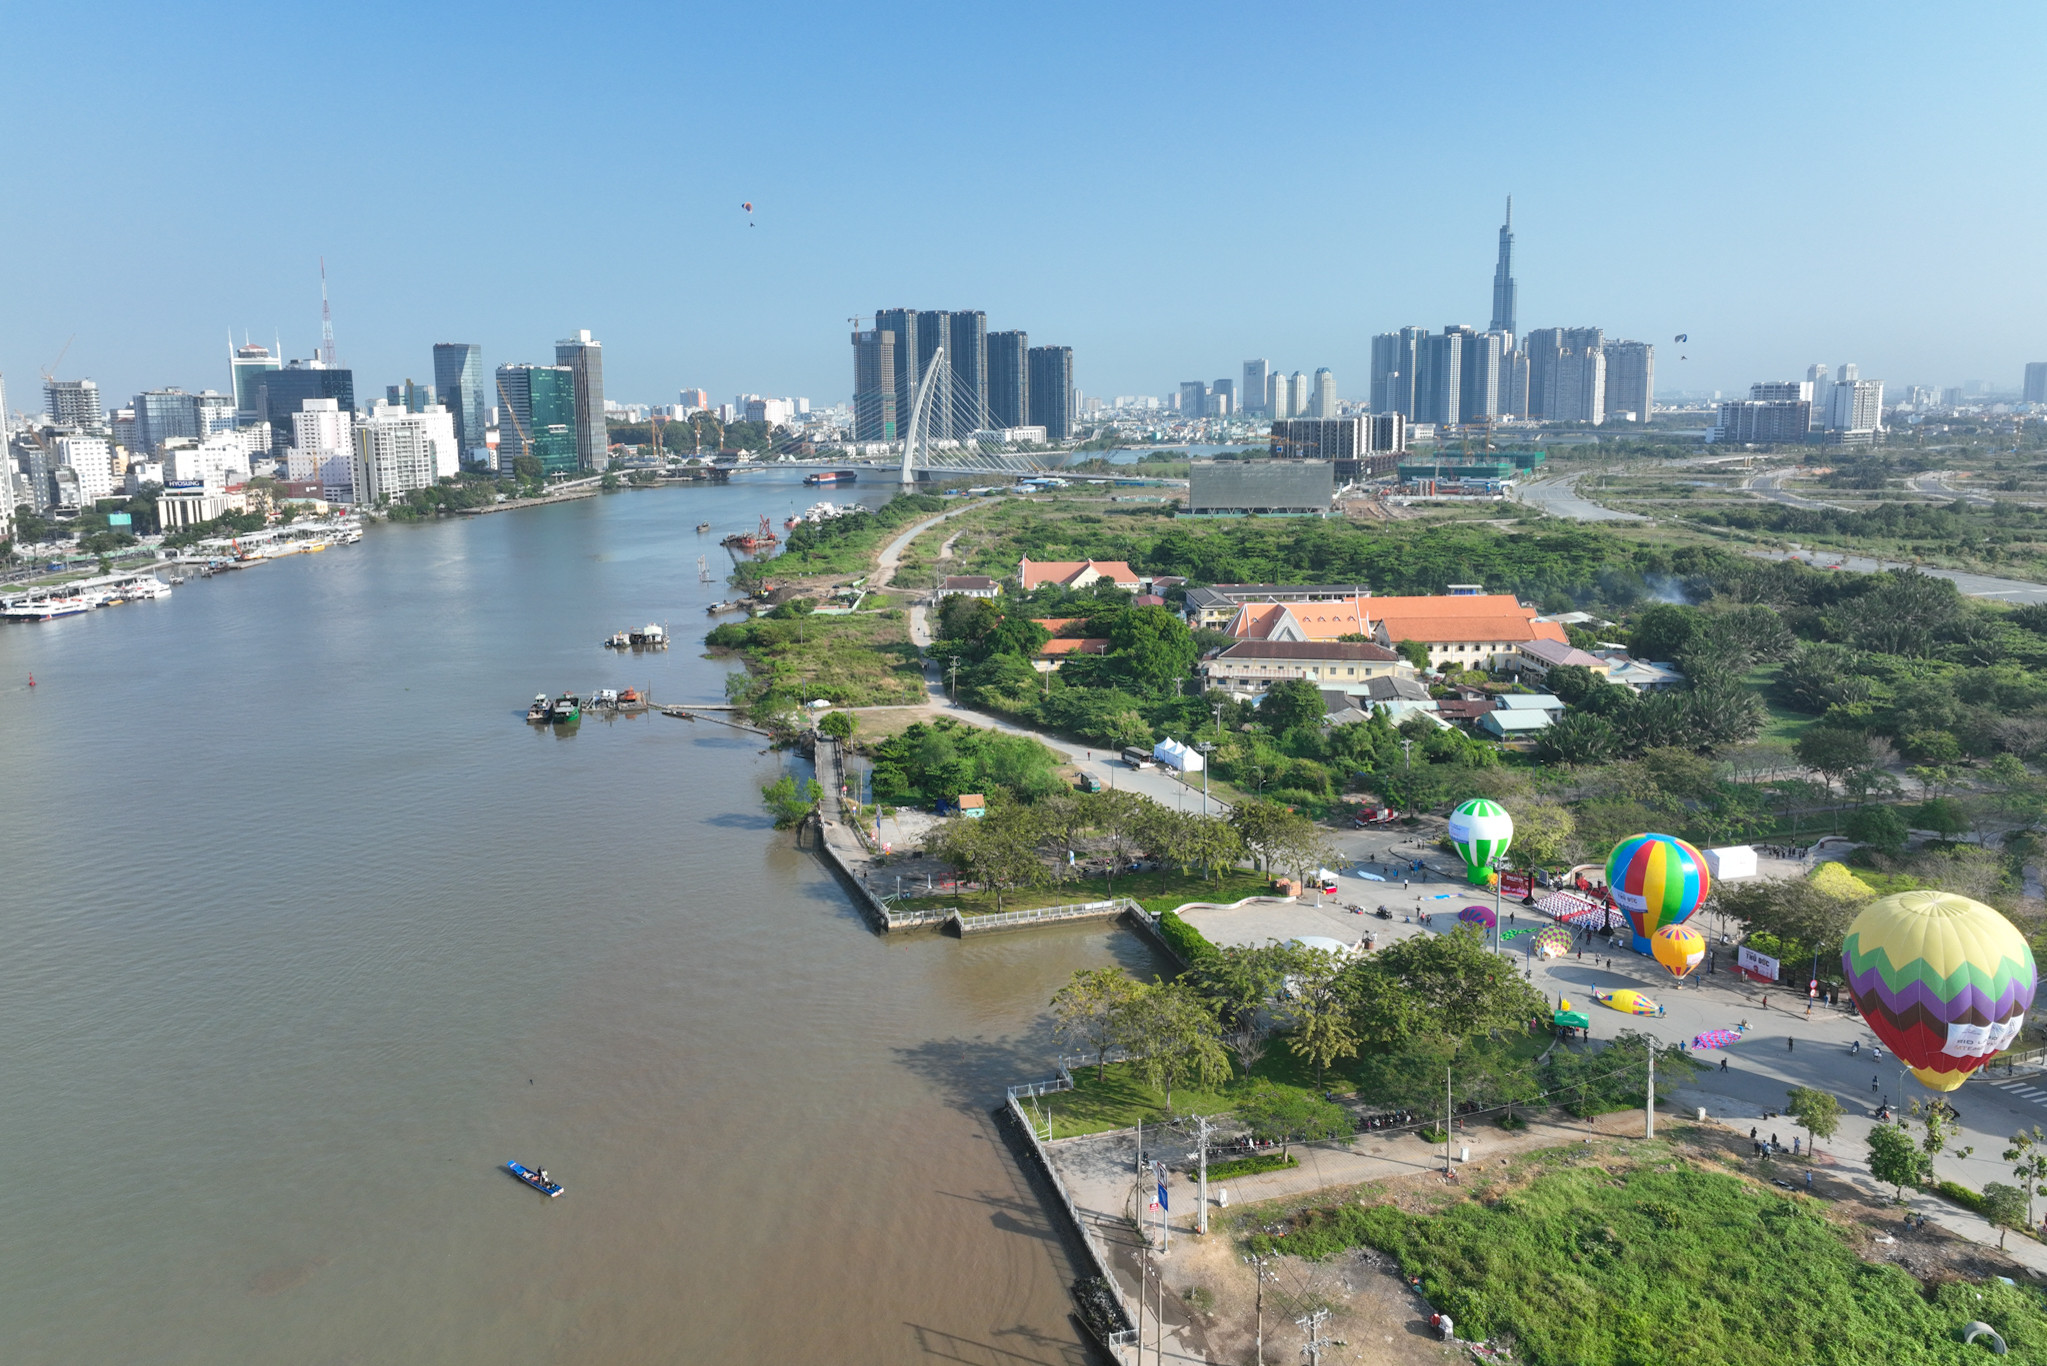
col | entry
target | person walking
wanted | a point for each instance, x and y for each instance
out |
(1788, 1042)
(1723, 1062)
(1872, 1086)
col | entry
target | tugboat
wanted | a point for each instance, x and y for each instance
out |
(538, 713)
(567, 710)
(538, 1180)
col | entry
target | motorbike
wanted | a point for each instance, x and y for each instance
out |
(1383, 913)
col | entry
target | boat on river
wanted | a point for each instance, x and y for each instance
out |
(538, 1180)
(651, 637)
(539, 712)
(567, 710)
(703, 527)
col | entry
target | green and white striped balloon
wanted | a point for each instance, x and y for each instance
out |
(1481, 829)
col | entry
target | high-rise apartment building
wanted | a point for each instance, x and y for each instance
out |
(1575, 389)
(1765, 421)
(74, 403)
(1396, 362)
(1009, 379)
(903, 323)
(1439, 381)
(585, 359)
(934, 335)
(458, 378)
(1253, 394)
(91, 458)
(1630, 380)
(397, 451)
(1297, 395)
(1514, 383)
(1051, 395)
(1279, 396)
(1193, 398)
(2035, 390)
(282, 392)
(246, 366)
(1503, 277)
(967, 358)
(874, 385)
(323, 448)
(537, 417)
(1478, 381)
(1855, 409)
(1323, 404)
(1222, 398)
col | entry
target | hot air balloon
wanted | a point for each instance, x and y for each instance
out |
(1481, 916)
(1945, 981)
(1553, 941)
(1679, 948)
(1657, 880)
(1628, 1002)
(1481, 830)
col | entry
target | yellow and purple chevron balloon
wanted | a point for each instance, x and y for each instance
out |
(1657, 880)
(1945, 981)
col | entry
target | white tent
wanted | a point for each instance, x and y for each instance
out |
(1173, 754)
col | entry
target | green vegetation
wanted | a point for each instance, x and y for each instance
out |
(938, 761)
(1251, 1166)
(1672, 1267)
(837, 545)
(227, 524)
(468, 490)
(1184, 939)
(863, 660)
(791, 803)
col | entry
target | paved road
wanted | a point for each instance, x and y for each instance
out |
(1559, 498)
(1972, 585)
(1935, 484)
(892, 554)
(1771, 487)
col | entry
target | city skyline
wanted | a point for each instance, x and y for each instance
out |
(685, 292)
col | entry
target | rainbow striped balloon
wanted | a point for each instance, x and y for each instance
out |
(1657, 880)
(1945, 981)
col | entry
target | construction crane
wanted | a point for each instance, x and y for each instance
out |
(525, 442)
(50, 370)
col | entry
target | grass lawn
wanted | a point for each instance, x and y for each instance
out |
(1153, 891)
(1665, 1260)
(863, 660)
(1784, 724)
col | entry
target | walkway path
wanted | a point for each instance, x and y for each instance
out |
(1972, 585)
(892, 554)
(1560, 498)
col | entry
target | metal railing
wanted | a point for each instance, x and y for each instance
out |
(1082, 910)
(1127, 1334)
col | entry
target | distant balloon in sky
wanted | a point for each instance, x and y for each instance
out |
(1682, 337)
(748, 206)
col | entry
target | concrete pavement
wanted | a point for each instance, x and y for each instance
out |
(1560, 498)
(1972, 585)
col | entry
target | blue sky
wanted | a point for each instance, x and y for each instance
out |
(1166, 188)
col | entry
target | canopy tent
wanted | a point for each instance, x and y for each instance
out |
(1173, 754)
(1576, 1019)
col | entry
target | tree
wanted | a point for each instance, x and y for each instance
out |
(1152, 649)
(2005, 1207)
(791, 805)
(1117, 816)
(1438, 986)
(1543, 832)
(1572, 683)
(1664, 631)
(1287, 1115)
(1817, 1112)
(1577, 738)
(1289, 703)
(1322, 1027)
(839, 725)
(1239, 980)
(1879, 827)
(999, 850)
(1177, 1039)
(1415, 652)
(1833, 752)
(1789, 908)
(1091, 1008)
(2028, 1156)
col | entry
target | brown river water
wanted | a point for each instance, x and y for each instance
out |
(306, 933)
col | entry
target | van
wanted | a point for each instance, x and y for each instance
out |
(1138, 758)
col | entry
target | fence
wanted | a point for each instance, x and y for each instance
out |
(1084, 910)
(1127, 1333)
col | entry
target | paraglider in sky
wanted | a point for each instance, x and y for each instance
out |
(1553, 941)
(1657, 880)
(1481, 916)
(1679, 948)
(748, 206)
(1681, 338)
(1481, 830)
(1943, 980)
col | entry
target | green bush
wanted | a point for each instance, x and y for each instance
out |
(1956, 1193)
(1251, 1166)
(1188, 942)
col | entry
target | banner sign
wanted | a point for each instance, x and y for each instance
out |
(1757, 965)
(1514, 884)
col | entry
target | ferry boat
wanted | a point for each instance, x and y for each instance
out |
(538, 1180)
(45, 609)
(539, 712)
(567, 710)
(832, 477)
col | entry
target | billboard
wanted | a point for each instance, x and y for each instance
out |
(122, 520)
(1240, 487)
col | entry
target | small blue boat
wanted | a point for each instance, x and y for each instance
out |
(538, 1180)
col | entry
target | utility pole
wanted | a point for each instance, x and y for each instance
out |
(1649, 1099)
(1406, 754)
(953, 691)
(1201, 1140)
(1316, 1342)
(1446, 1121)
(1258, 1265)
(1207, 752)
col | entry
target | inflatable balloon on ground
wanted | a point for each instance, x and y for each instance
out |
(1944, 981)
(1481, 916)
(1553, 941)
(1481, 830)
(1656, 880)
(1679, 948)
(1629, 1002)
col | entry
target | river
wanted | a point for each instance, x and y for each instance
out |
(307, 932)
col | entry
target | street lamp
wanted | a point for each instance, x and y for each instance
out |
(1207, 747)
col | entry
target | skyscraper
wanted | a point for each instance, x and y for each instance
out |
(1051, 396)
(967, 355)
(1222, 398)
(1478, 380)
(397, 451)
(1439, 379)
(1009, 379)
(1503, 277)
(1324, 401)
(1297, 396)
(458, 378)
(280, 392)
(1193, 398)
(903, 323)
(161, 414)
(74, 403)
(1385, 365)
(585, 358)
(1575, 390)
(934, 332)
(2036, 382)
(538, 418)
(874, 385)
(1252, 393)
(1630, 379)
(1396, 361)
(1279, 399)
(323, 448)
(246, 366)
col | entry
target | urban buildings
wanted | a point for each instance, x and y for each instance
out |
(1234, 488)
(1478, 381)
(1772, 414)
(1297, 395)
(874, 385)
(323, 448)
(162, 415)
(1504, 288)
(934, 336)
(1256, 390)
(246, 366)
(397, 451)
(1323, 404)
(283, 391)
(1222, 398)
(74, 403)
(1855, 409)
(1439, 379)
(584, 359)
(1359, 446)
(1630, 380)
(91, 457)
(1193, 398)
(2035, 390)
(1051, 391)
(1009, 379)
(458, 377)
(902, 324)
(537, 418)
(967, 358)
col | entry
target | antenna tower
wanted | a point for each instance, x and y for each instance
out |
(326, 320)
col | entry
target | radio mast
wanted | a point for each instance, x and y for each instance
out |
(326, 321)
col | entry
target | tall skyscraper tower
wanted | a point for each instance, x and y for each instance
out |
(586, 358)
(1052, 391)
(246, 366)
(458, 379)
(874, 385)
(1009, 379)
(967, 355)
(2035, 390)
(74, 403)
(1324, 402)
(1503, 276)
(934, 330)
(1257, 382)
